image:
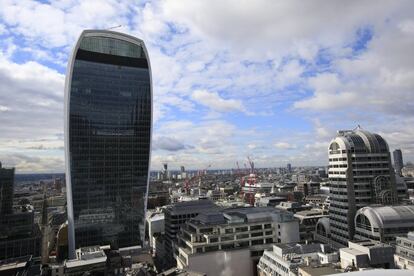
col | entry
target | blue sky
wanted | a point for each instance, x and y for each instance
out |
(273, 80)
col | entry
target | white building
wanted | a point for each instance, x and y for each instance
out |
(156, 225)
(231, 241)
(360, 174)
(404, 252)
(285, 259)
(367, 254)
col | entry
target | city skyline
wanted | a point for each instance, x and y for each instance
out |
(270, 80)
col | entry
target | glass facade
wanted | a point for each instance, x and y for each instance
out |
(109, 132)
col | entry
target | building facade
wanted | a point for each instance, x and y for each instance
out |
(108, 114)
(19, 234)
(366, 254)
(307, 222)
(233, 240)
(404, 252)
(398, 161)
(286, 259)
(6, 190)
(176, 215)
(360, 173)
(383, 223)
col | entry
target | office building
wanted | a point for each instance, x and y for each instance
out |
(398, 161)
(360, 174)
(383, 223)
(176, 215)
(233, 240)
(367, 254)
(19, 234)
(307, 222)
(293, 206)
(108, 113)
(155, 225)
(404, 252)
(6, 190)
(286, 259)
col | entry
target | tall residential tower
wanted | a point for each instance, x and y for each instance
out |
(108, 115)
(360, 174)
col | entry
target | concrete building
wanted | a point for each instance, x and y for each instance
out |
(398, 161)
(292, 206)
(307, 222)
(177, 215)
(156, 225)
(286, 259)
(404, 252)
(270, 201)
(319, 200)
(318, 270)
(180, 272)
(308, 188)
(232, 241)
(367, 254)
(360, 174)
(383, 223)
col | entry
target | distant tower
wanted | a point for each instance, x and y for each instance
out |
(289, 168)
(360, 173)
(165, 171)
(6, 190)
(398, 161)
(58, 184)
(45, 229)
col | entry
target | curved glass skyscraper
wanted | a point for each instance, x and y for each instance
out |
(108, 114)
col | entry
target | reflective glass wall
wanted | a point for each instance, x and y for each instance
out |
(108, 140)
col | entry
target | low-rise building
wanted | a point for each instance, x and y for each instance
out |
(307, 222)
(88, 259)
(286, 259)
(367, 254)
(319, 200)
(232, 241)
(404, 252)
(383, 223)
(318, 270)
(293, 207)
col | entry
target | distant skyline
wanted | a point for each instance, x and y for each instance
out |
(273, 80)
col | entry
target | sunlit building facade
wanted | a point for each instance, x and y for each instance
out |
(360, 174)
(108, 115)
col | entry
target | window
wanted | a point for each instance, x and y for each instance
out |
(213, 239)
(241, 229)
(255, 227)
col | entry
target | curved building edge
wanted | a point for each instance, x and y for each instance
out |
(68, 82)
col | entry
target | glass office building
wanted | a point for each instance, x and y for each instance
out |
(108, 114)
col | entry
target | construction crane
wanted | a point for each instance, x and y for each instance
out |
(189, 182)
(114, 27)
(251, 163)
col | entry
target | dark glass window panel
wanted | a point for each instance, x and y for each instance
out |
(109, 138)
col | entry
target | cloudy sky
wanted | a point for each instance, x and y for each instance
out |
(270, 79)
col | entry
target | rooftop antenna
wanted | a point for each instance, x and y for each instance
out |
(114, 27)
